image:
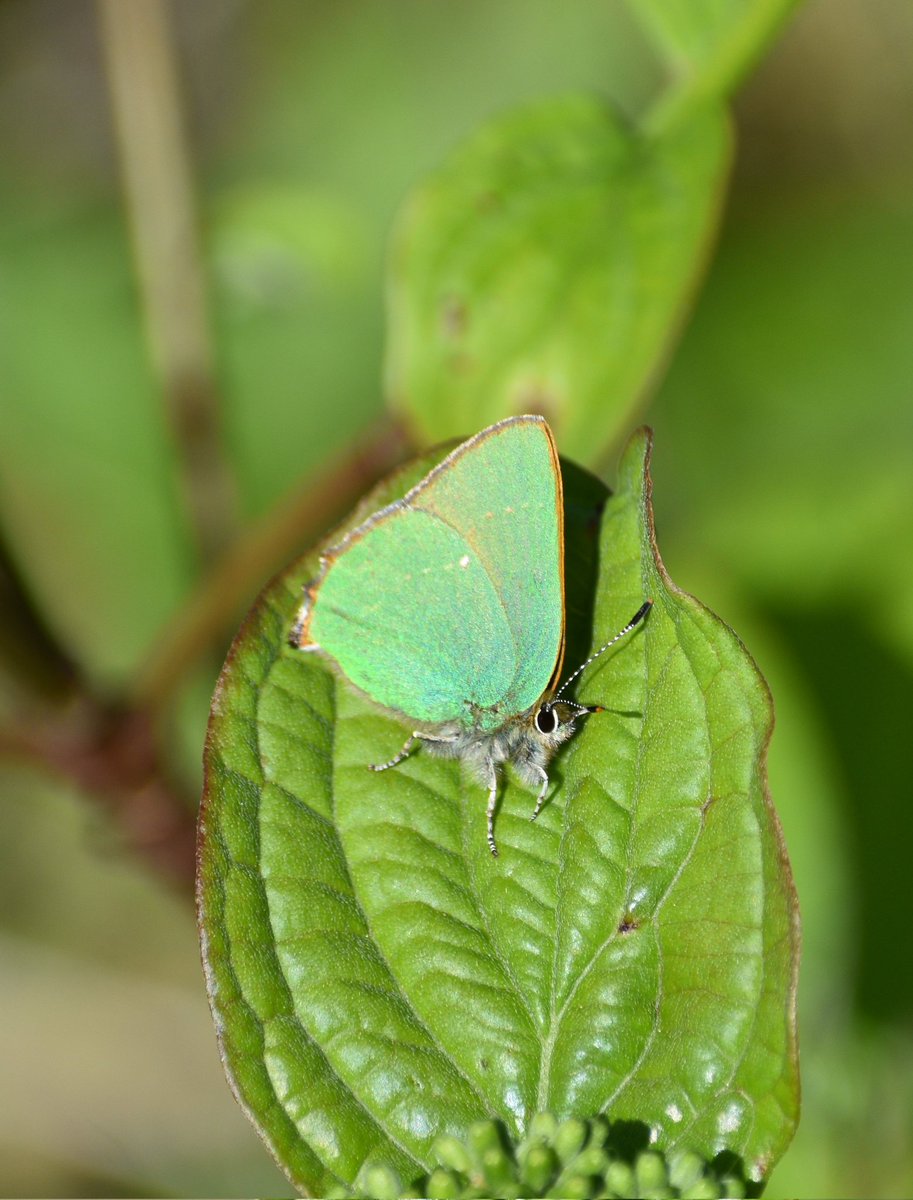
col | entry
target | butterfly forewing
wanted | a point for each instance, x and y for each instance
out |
(453, 597)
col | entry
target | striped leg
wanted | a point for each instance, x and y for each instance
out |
(492, 800)
(415, 736)
(541, 799)
(397, 758)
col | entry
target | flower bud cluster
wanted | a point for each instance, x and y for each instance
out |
(572, 1159)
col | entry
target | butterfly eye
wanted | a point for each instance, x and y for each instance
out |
(546, 720)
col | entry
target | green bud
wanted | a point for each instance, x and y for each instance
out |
(538, 1167)
(599, 1131)
(685, 1169)
(444, 1185)
(620, 1181)
(542, 1126)
(338, 1192)
(497, 1169)
(591, 1161)
(380, 1183)
(732, 1187)
(573, 1187)
(484, 1136)
(705, 1188)
(450, 1152)
(650, 1170)
(569, 1138)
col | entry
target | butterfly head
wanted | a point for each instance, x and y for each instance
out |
(554, 720)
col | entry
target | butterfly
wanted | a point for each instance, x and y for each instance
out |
(447, 607)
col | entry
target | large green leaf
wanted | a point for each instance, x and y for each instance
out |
(377, 978)
(545, 267)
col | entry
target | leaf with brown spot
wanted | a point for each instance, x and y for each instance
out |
(377, 978)
(546, 268)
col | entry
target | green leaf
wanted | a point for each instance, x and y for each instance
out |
(546, 266)
(378, 979)
(91, 512)
(710, 45)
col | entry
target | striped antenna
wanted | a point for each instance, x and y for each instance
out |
(635, 620)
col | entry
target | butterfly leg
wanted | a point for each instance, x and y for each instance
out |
(397, 758)
(492, 800)
(415, 736)
(541, 797)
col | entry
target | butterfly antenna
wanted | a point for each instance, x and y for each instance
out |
(635, 620)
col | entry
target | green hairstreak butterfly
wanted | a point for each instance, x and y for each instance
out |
(447, 607)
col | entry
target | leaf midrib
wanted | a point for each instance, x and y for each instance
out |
(557, 1018)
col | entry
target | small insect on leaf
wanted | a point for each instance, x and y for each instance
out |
(468, 658)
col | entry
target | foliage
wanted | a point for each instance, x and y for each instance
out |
(780, 501)
(544, 267)
(378, 978)
(524, 274)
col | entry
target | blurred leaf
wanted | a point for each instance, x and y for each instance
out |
(710, 45)
(801, 343)
(273, 243)
(545, 267)
(857, 1093)
(87, 489)
(378, 979)
(295, 291)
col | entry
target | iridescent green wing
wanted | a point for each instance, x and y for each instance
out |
(448, 605)
(503, 493)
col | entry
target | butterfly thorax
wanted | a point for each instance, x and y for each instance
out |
(517, 740)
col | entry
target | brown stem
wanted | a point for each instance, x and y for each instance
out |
(112, 755)
(145, 99)
(111, 752)
(206, 620)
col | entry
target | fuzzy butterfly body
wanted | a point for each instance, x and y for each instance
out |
(447, 607)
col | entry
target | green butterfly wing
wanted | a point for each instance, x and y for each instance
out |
(449, 604)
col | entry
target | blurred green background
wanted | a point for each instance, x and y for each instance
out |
(783, 490)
